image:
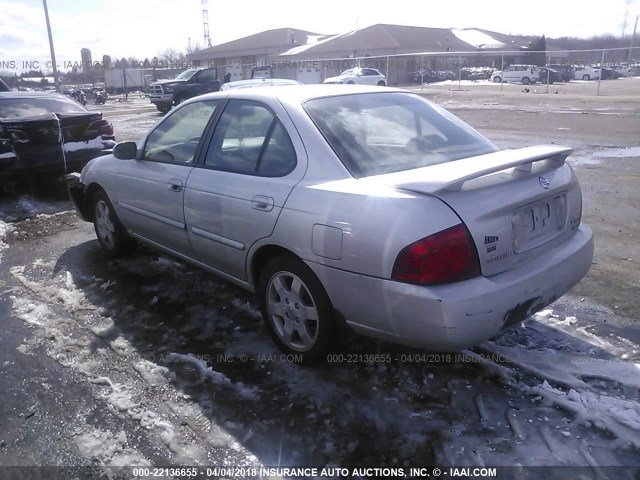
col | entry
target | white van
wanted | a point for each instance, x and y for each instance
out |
(516, 73)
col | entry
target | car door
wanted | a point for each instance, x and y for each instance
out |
(509, 74)
(234, 197)
(150, 190)
(370, 76)
(206, 81)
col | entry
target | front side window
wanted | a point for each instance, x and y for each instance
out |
(176, 139)
(249, 139)
(207, 76)
(377, 133)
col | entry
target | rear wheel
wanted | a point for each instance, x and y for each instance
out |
(586, 77)
(526, 80)
(295, 308)
(163, 109)
(112, 236)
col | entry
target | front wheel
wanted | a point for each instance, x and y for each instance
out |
(586, 77)
(163, 109)
(295, 308)
(526, 81)
(112, 236)
(497, 80)
(381, 83)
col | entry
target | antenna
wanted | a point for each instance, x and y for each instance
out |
(205, 24)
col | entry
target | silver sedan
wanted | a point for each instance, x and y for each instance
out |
(341, 205)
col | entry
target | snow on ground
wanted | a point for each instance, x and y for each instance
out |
(4, 229)
(619, 153)
(595, 378)
(89, 343)
(196, 370)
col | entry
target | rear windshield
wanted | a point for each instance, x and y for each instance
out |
(33, 107)
(377, 133)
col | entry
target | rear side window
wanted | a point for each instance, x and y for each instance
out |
(249, 139)
(377, 133)
(33, 107)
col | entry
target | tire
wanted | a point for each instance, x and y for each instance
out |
(381, 83)
(526, 81)
(497, 80)
(586, 77)
(180, 99)
(163, 109)
(112, 236)
(295, 309)
(351, 82)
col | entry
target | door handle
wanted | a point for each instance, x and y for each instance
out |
(260, 202)
(175, 185)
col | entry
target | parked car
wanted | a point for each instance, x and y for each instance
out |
(566, 71)
(44, 133)
(356, 206)
(549, 74)
(362, 76)
(609, 73)
(516, 73)
(587, 73)
(633, 71)
(258, 82)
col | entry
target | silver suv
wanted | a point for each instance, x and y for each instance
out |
(516, 73)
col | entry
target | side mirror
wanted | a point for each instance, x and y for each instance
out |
(125, 150)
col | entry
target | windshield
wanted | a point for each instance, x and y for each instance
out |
(377, 133)
(187, 74)
(32, 107)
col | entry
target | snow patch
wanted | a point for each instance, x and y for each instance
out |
(4, 229)
(476, 38)
(628, 152)
(109, 449)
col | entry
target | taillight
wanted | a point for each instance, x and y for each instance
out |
(102, 127)
(106, 129)
(444, 257)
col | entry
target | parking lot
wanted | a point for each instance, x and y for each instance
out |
(145, 361)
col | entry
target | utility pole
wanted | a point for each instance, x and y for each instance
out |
(635, 27)
(53, 53)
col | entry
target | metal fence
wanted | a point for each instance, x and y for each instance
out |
(425, 68)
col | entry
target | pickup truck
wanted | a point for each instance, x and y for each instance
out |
(164, 94)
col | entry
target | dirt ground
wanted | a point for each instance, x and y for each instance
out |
(595, 126)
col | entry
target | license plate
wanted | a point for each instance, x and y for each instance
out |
(538, 223)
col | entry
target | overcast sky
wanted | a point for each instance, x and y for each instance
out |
(124, 28)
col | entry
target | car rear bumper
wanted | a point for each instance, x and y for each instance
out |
(459, 315)
(49, 160)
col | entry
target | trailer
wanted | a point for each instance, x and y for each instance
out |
(125, 80)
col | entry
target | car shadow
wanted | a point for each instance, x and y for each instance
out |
(370, 403)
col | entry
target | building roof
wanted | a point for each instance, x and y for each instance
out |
(406, 39)
(269, 42)
(379, 39)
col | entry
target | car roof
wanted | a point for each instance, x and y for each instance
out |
(299, 93)
(55, 95)
(272, 82)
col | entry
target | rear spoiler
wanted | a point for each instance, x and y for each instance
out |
(450, 176)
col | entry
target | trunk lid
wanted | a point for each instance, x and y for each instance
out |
(517, 204)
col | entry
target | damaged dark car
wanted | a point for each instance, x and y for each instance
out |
(46, 135)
